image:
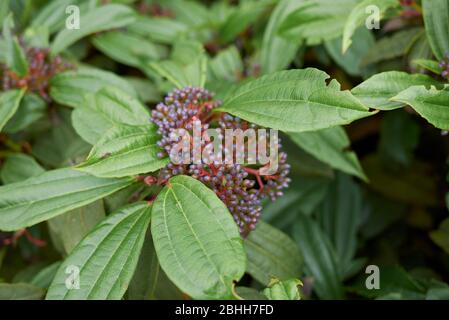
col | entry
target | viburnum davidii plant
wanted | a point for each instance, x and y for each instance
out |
(258, 149)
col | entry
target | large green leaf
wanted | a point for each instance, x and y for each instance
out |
(351, 60)
(271, 253)
(95, 20)
(394, 46)
(68, 229)
(277, 52)
(53, 15)
(60, 146)
(243, 16)
(197, 240)
(227, 65)
(330, 146)
(31, 108)
(45, 276)
(358, 16)
(340, 215)
(127, 48)
(436, 20)
(317, 20)
(9, 103)
(70, 87)
(399, 137)
(34, 200)
(149, 281)
(124, 151)
(187, 65)
(159, 29)
(303, 196)
(320, 258)
(414, 186)
(377, 91)
(106, 258)
(4, 10)
(432, 104)
(108, 108)
(294, 101)
(19, 167)
(430, 65)
(20, 291)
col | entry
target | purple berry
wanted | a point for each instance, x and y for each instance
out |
(241, 188)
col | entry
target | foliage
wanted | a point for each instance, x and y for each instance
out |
(93, 207)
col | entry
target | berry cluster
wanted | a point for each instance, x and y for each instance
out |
(41, 67)
(240, 187)
(444, 65)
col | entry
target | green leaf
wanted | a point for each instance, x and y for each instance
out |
(227, 65)
(340, 215)
(70, 87)
(412, 186)
(159, 29)
(60, 146)
(393, 280)
(53, 15)
(438, 294)
(40, 198)
(9, 103)
(95, 20)
(108, 108)
(430, 65)
(332, 147)
(32, 108)
(196, 239)
(187, 65)
(432, 104)
(146, 89)
(399, 137)
(15, 56)
(320, 258)
(106, 257)
(241, 18)
(377, 91)
(126, 48)
(192, 13)
(125, 151)
(70, 228)
(358, 16)
(351, 60)
(317, 20)
(4, 9)
(441, 235)
(283, 290)
(37, 37)
(395, 46)
(294, 101)
(18, 167)
(271, 253)
(303, 196)
(277, 52)
(20, 291)
(149, 280)
(436, 20)
(2, 51)
(44, 277)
